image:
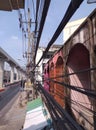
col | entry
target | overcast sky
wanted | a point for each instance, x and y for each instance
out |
(11, 36)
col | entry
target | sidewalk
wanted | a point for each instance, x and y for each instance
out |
(15, 117)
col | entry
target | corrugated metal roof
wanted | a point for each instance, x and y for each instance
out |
(9, 5)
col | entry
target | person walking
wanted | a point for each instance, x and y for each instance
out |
(22, 84)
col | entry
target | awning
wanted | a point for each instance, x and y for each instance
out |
(9, 5)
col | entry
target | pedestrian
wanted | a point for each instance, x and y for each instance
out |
(22, 84)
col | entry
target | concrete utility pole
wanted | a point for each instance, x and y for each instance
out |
(31, 46)
(33, 50)
(29, 37)
(33, 63)
(30, 53)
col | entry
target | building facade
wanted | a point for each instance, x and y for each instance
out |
(40, 67)
(71, 27)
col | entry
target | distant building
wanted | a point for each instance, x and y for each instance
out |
(40, 68)
(71, 27)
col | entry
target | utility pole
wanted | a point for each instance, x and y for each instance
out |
(33, 63)
(30, 54)
(33, 50)
(31, 46)
(29, 38)
(30, 51)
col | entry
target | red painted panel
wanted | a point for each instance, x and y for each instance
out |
(46, 77)
(59, 89)
(51, 75)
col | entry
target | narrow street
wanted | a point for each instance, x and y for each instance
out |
(47, 65)
(14, 113)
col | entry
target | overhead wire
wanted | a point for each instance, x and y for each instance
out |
(34, 14)
(85, 91)
(47, 50)
(24, 31)
(81, 106)
(73, 73)
(51, 79)
(75, 88)
(23, 43)
(82, 115)
(62, 113)
(25, 18)
(19, 13)
(67, 75)
(59, 93)
(41, 4)
(92, 112)
(36, 18)
(76, 72)
(42, 21)
(76, 102)
(76, 95)
(69, 99)
(70, 11)
(22, 28)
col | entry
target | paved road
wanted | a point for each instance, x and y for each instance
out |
(8, 95)
(13, 118)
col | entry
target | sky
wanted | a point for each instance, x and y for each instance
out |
(11, 36)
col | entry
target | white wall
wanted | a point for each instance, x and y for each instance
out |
(39, 68)
(71, 27)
